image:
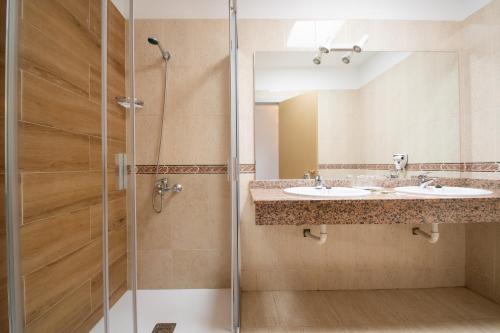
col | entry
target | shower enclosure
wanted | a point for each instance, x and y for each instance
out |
(83, 249)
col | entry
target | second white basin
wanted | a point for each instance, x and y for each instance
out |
(443, 191)
(327, 192)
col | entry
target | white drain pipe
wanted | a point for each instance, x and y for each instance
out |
(323, 235)
(432, 238)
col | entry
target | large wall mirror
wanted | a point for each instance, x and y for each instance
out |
(347, 111)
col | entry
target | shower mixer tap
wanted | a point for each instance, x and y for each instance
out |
(161, 186)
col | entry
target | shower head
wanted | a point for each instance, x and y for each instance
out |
(153, 41)
(164, 53)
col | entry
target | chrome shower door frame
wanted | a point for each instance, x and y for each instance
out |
(234, 171)
(12, 179)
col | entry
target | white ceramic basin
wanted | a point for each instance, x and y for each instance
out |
(326, 192)
(443, 191)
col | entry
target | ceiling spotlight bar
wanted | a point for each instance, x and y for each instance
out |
(346, 59)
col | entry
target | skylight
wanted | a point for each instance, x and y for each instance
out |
(311, 34)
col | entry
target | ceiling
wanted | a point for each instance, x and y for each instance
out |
(435, 10)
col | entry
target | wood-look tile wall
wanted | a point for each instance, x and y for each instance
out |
(60, 162)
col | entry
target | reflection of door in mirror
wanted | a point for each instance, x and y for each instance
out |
(266, 141)
(298, 148)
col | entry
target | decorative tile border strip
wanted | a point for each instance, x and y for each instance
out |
(146, 169)
(462, 167)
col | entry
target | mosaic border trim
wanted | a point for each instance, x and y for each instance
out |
(250, 168)
(146, 169)
(461, 167)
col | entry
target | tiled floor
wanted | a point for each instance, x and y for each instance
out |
(453, 310)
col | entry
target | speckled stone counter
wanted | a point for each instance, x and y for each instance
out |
(274, 207)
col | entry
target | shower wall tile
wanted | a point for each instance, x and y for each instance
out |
(69, 111)
(47, 149)
(54, 20)
(194, 224)
(66, 315)
(114, 147)
(117, 279)
(45, 287)
(201, 269)
(47, 240)
(60, 156)
(187, 245)
(155, 269)
(69, 71)
(117, 217)
(196, 128)
(50, 194)
(80, 10)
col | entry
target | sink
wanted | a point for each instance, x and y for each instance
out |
(443, 191)
(326, 192)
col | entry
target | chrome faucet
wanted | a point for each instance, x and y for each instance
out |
(425, 180)
(319, 182)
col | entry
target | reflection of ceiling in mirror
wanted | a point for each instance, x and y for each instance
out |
(303, 59)
(281, 75)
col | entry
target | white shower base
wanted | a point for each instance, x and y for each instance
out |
(194, 311)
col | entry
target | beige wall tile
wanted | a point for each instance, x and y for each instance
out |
(194, 222)
(201, 269)
(480, 240)
(155, 269)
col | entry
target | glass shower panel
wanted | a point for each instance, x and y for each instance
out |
(120, 231)
(4, 319)
(182, 74)
(59, 156)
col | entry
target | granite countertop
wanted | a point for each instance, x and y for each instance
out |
(277, 195)
(274, 207)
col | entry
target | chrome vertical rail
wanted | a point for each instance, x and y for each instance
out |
(11, 191)
(104, 161)
(234, 171)
(132, 189)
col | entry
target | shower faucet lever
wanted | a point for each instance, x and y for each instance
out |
(162, 186)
